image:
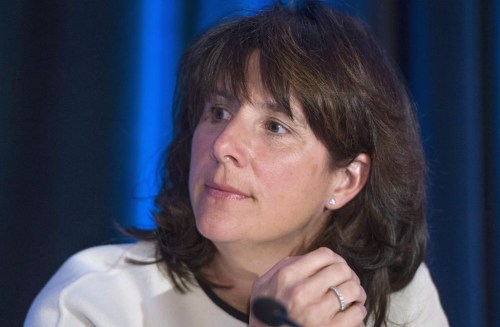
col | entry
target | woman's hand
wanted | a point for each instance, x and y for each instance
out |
(303, 285)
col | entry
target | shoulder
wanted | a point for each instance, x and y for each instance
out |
(107, 257)
(417, 304)
(101, 261)
(89, 282)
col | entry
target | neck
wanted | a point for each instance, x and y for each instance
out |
(238, 267)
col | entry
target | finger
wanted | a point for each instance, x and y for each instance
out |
(318, 308)
(353, 316)
(334, 274)
(350, 292)
(315, 286)
(308, 264)
(295, 268)
(326, 313)
(329, 303)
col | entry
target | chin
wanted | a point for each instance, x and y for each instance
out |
(219, 231)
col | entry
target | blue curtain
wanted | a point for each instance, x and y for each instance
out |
(453, 73)
(85, 93)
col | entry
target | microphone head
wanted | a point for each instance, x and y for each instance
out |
(269, 311)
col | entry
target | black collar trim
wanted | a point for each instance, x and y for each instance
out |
(223, 305)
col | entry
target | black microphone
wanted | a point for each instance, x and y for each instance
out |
(271, 312)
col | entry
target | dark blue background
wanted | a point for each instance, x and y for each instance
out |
(85, 88)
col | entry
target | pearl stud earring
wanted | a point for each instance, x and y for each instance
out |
(332, 202)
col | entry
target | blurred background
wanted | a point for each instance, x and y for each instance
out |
(85, 93)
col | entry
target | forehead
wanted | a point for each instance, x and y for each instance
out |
(251, 86)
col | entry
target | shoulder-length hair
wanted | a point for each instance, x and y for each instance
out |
(354, 101)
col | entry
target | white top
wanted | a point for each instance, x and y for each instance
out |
(99, 287)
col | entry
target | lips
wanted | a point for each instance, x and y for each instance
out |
(225, 192)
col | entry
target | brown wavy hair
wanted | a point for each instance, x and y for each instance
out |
(354, 101)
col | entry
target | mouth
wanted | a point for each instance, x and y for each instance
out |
(225, 192)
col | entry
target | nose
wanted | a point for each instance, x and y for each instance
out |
(232, 145)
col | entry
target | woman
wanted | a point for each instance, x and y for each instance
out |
(295, 173)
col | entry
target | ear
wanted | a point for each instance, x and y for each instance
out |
(349, 181)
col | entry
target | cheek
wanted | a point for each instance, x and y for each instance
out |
(296, 178)
(200, 147)
(288, 175)
(199, 150)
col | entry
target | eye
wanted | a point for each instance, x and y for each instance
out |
(219, 114)
(276, 127)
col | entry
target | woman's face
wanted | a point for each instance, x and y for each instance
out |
(257, 176)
